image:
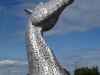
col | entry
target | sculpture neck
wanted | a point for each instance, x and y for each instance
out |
(40, 55)
(33, 32)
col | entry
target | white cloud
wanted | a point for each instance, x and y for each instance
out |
(80, 58)
(13, 66)
(91, 52)
(12, 62)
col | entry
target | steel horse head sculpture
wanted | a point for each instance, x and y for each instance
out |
(41, 59)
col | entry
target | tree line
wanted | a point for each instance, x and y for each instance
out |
(87, 71)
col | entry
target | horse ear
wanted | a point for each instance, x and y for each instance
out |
(28, 11)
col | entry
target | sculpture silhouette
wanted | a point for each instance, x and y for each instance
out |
(41, 59)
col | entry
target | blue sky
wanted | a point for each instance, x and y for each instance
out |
(74, 39)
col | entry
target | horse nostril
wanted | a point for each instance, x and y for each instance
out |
(70, 2)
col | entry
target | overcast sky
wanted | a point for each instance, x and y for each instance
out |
(75, 39)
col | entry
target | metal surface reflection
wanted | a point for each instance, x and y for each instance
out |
(41, 59)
